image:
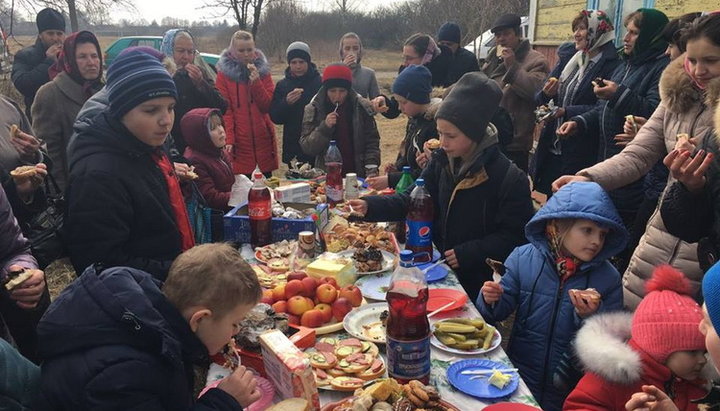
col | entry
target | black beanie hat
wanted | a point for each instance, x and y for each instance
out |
(471, 104)
(449, 32)
(49, 19)
(414, 83)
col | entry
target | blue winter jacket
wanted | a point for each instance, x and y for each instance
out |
(545, 321)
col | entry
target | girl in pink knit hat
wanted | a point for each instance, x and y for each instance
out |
(659, 345)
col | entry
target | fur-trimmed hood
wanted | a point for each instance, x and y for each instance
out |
(603, 347)
(238, 72)
(432, 108)
(678, 92)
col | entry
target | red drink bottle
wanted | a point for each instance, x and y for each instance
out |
(259, 212)
(333, 181)
(419, 223)
(408, 328)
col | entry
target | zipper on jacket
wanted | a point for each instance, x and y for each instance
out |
(558, 300)
(252, 126)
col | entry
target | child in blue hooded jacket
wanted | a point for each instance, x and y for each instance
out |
(562, 277)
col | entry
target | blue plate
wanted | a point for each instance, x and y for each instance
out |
(437, 273)
(480, 387)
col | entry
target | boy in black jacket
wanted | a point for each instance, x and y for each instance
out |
(116, 340)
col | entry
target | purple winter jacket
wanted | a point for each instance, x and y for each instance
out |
(14, 247)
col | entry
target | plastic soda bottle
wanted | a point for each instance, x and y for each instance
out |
(259, 212)
(408, 328)
(333, 180)
(406, 181)
(419, 223)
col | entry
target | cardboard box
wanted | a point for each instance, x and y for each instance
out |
(302, 337)
(236, 223)
(293, 193)
(288, 368)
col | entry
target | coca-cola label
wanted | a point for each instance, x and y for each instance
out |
(409, 360)
(334, 194)
(259, 211)
(419, 233)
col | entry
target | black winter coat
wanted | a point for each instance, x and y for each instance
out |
(30, 71)
(118, 204)
(479, 215)
(112, 341)
(463, 61)
(580, 151)
(291, 116)
(419, 130)
(190, 97)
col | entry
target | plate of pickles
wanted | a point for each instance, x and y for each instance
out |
(465, 336)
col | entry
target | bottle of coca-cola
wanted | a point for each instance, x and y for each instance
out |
(419, 223)
(259, 212)
(402, 185)
(333, 180)
(408, 329)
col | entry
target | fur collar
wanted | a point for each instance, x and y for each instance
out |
(432, 109)
(601, 345)
(238, 72)
(678, 92)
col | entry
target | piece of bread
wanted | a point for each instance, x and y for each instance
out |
(291, 404)
(552, 80)
(23, 172)
(14, 130)
(433, 144)
(15, 278)
(347, 383)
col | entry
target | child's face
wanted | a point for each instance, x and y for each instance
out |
(216, 332)
(686, 364)
(337, 95)
(712, 340)
(409, 108)
(455, 143)
(151, 121)
(584, 240)
(298, 67)
(244, 51)
(217, 135)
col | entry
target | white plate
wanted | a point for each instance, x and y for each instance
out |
(495, 343)
(388, 261)
(361, 320)
(374, 286)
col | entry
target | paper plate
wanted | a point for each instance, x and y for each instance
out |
(374, 286)
(364, 322)
(510, 406)
(438, 297)
(437, 273)
(480, 387)
(388, 262)
(497, 339)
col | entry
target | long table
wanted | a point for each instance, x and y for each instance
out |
(441, 360)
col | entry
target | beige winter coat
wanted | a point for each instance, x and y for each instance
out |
(56, 105)
(684, 109)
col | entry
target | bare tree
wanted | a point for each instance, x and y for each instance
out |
(76, 7)
(247, 13)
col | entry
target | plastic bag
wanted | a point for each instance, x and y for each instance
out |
(240, 190)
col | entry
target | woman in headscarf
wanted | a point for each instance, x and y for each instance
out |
(76, 77)
(573, 95)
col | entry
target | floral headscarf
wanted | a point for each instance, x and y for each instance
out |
(600, 32)
(566, 265)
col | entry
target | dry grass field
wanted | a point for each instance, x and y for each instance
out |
(60, 273)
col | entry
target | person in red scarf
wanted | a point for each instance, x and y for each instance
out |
(76, 76)
(125, 207)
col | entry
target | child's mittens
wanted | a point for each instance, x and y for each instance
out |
(491, 292)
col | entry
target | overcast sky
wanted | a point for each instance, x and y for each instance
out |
(190, 9)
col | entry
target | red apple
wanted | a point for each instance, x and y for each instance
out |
(353, 294)
(267, 297)
(293, 288)
(309, 285)
(298, 305)
(326, 293)
(341, 307)
(331, 281)
(296, 275)
(280, 306)
(326, 311)
(279, 292)
(293, 319)
(312, 319)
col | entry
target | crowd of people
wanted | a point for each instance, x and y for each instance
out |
(613, 282)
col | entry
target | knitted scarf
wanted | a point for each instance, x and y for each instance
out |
(566, 265)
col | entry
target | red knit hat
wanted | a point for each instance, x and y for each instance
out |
(667, 318)
(337, 75)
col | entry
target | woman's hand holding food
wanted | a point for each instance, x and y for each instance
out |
(359, 207)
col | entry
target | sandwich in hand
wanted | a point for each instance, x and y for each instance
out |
(17, 277)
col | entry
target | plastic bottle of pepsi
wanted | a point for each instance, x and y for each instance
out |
(419, 223)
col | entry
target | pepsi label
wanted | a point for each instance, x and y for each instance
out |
(419, 233)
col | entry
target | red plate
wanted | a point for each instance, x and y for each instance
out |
(438, 297)
(510, 406)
